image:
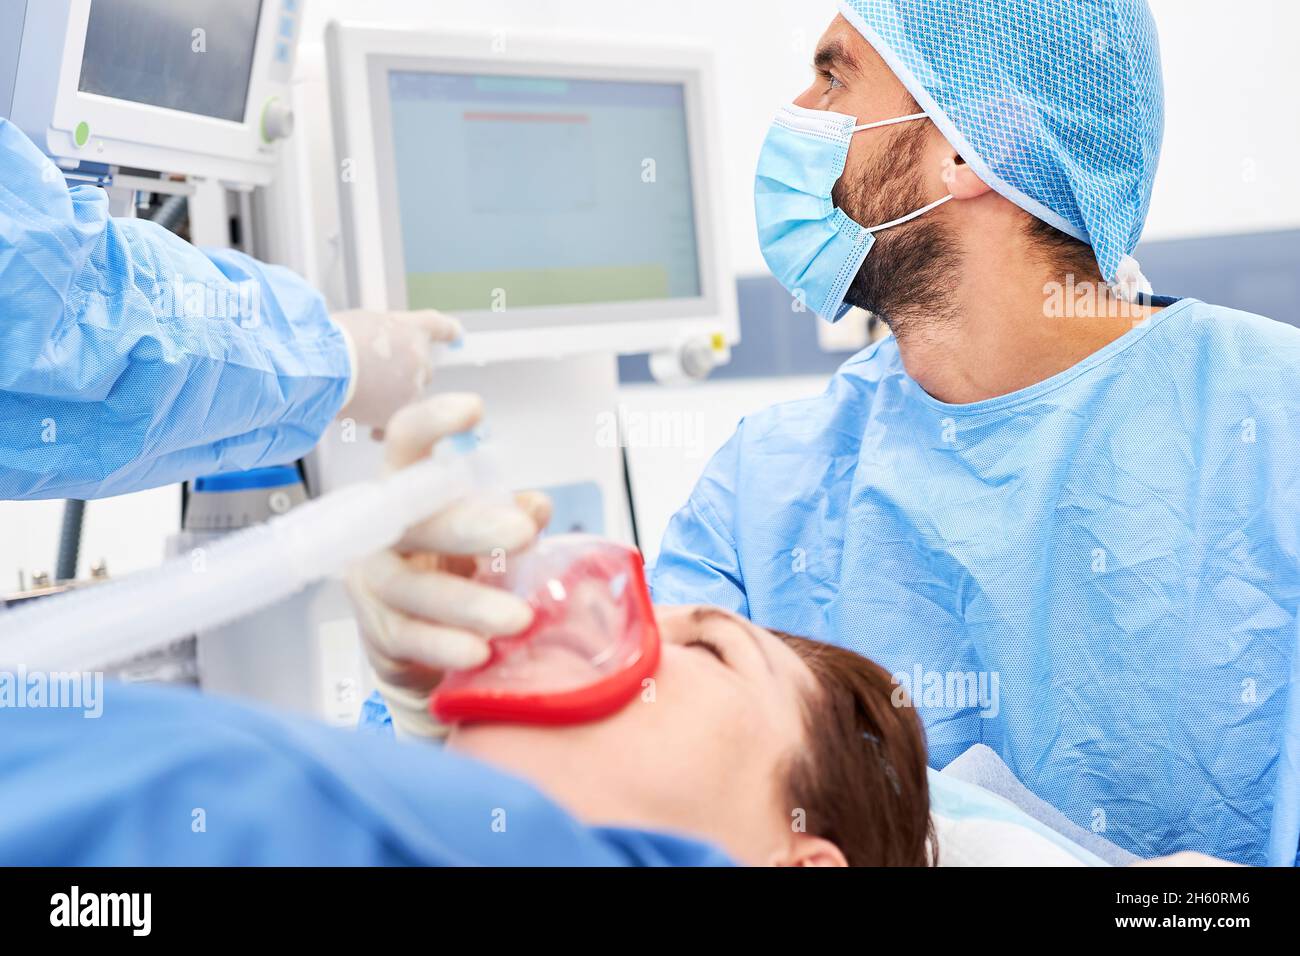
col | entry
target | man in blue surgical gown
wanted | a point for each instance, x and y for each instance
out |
(129, 359)
(1065, 512)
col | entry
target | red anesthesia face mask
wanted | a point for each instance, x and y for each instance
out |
(592, 643)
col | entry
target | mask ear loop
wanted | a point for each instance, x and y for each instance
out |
(891, 122)
(916, 215)
(920, 212)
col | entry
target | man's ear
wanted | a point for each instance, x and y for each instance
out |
(961, 180)
(807, 850)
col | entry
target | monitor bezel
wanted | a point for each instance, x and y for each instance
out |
(359, 58)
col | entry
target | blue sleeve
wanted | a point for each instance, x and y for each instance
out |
(132, 360)
(163, 777)
(698, 561)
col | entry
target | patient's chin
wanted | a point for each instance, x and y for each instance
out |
(475, 738)
(517, 743)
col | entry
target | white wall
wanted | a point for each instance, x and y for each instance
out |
(1233, 135)
(1232, 79)
(680, 429)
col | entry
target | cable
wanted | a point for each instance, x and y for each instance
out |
(65, 566)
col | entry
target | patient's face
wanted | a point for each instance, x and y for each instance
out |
(703, 750)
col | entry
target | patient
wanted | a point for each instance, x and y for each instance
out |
(772, 749)
(776, 750)
(780, 750)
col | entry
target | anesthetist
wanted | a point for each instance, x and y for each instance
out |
(1045, 477)
(129, 359)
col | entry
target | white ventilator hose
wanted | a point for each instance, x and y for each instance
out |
(231, 578)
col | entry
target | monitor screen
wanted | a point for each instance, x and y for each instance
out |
(527, 192)
(195, 56)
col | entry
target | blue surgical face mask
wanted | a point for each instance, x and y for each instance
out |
(813, 248)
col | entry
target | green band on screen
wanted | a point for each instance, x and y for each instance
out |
(534, 288)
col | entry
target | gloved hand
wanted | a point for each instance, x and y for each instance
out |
(392, 355)
(420, 615)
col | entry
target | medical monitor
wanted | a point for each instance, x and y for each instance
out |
(557, 197)
(198, 87)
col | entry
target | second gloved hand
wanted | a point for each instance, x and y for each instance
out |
(392, 359)
(420, 613)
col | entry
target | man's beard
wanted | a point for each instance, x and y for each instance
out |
(909, 276)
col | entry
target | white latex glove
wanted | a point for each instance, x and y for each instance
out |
(392, 359)
(420, 615)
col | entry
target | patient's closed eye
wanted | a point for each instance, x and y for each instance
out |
(708, 646)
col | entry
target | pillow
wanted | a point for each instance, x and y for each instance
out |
(974, 827)
(982, 767)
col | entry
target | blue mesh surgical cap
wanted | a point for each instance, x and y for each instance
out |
(1056, 104)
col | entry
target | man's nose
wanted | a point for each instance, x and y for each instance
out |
(808, 99)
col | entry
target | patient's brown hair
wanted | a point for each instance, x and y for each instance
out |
(862, 782)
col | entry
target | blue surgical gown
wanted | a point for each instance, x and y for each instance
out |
(166, 777)
(129, 359)
(1115, 552)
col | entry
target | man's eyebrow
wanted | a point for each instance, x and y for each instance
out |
(834, 53)
(702, 614)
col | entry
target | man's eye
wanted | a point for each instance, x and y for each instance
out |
(831, 81)
(708, 646)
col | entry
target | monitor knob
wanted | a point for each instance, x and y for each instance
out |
(277, 120)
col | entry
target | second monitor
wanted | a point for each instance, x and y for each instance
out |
(558, 197)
